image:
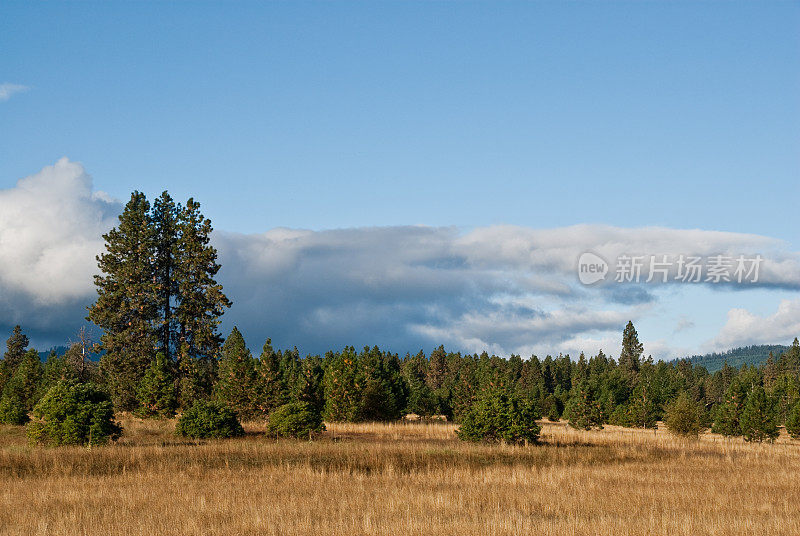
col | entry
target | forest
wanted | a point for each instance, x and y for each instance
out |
(159, 308)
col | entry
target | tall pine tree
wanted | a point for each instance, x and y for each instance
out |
(632, 349)
(157, 292)
(200, 300)
(126, 307)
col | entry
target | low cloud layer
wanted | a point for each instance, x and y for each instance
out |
(501, 288)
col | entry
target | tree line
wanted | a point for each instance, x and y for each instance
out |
(376, 385)
(159, 308)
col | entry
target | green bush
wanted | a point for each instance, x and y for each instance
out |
(73, 413)
(208, 419)
(12, 410)
(793, 421)
(683, 417)
(296, 419)
(500, 417)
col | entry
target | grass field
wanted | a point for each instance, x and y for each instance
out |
(400, 479)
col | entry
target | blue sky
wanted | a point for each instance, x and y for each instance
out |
(321, 116)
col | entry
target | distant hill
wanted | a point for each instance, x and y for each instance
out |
(59, 350)
(736, 357)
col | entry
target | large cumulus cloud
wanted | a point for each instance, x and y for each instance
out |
(501, 288)
(50, 231)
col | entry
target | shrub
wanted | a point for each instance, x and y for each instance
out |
(793, 421)
(498, 416)
(208, 419)
(296, 419)
(759, 422)
(12, 410)
(683, 417)
(73, 413)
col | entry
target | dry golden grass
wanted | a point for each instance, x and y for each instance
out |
(400, 479)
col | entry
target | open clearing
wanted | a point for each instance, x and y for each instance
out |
(400, 479)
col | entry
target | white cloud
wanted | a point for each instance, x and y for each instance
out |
(745, 328)
(7, 90)
(50, 231)
(501, 288)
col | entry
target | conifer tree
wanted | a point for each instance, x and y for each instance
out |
(24, 387)
(382, 397)
(165, 229)
(201, 301)
(342, 386)
(16, 347)
(729, 411)
(309, 384)
(499, 416)
(271, 391)
(157, 393)
(236, 383)
(583, 410)
(683, 417)
(758, 421)
(793, 422)
(630, 356)
(437, 368)
(126, 306)
(157, 292)
(420, 396)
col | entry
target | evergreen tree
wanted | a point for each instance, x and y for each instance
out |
(309, 387)
(583, 410)
(500, 416)
(299, 420)
(382, 396)
(790, 360)
(630, 357)
(73, 365)
(728, 412)
(236, 384)
(793, 422)
(157, 292)
(437, 368)
(421, 400)
(758, 421)
(24, 387)
(642, 409)
(73, 413)
(16, 347)
(196, 377)
(157, 396)
(271, 390)
(343, 383)
(683, 417)
(208, 419)
(200, 300)
(126, 308)
(165, 229)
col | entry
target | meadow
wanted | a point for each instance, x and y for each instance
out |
(400, 478)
